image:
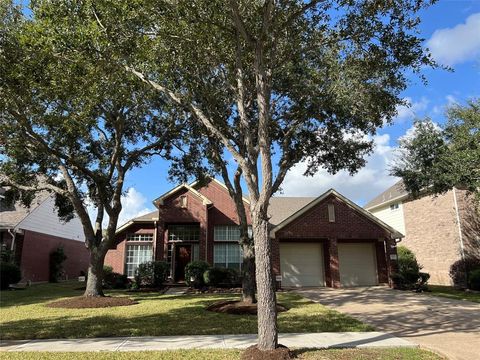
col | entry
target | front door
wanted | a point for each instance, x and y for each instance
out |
(183, 255)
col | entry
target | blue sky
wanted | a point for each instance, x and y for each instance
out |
(452, 32)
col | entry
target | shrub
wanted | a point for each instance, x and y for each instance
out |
(151, 274)
(6, 255)
(409, 276)
(9, 274)
(221, 277)
(474, 279)
(113, 280)
(57, 257)
(194, 273)
(460, 269)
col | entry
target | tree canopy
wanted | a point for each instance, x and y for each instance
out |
(72, 124)
(435, 159)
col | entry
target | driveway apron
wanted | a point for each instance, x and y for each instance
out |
(450, 327)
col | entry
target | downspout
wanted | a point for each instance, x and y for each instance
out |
(460, 234)
(13, 235)
(155, 241)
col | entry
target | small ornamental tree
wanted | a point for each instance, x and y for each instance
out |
(71, 123)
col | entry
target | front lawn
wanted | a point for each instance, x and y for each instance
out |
(348, 354)
(25, 316)
(452, 293)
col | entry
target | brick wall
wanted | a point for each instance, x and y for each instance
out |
(432, 234)
(349, 226)
(116, 255)
(36, 251)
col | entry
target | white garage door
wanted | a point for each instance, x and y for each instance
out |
(301, 264)
(357, 263)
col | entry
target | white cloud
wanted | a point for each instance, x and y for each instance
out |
(361, 187)
(455, 45)
(133, 204)
(452, 100)
(411, 109)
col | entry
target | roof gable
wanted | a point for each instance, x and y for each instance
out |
(160, 200)
(394, 233)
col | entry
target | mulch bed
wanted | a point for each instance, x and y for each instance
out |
(81, 302)
(280, 353)
(238, 307)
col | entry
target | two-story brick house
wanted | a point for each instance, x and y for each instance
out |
(322, 241)
(440, 230)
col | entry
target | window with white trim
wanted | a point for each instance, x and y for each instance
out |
(227, 255)
(183, 232)
(136, 255)
(226, 233)
(140, 237)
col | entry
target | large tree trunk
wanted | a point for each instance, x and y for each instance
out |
(266, 297)
(248, 273)
(95, 273)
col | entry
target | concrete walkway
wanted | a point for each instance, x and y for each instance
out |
(176, 290)
(450, 327)
(309, 340)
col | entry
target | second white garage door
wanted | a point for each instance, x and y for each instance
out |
(301, 264)
(357, 263)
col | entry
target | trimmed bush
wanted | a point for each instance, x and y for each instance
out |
(461, 268)
(474, 279)
(57, 257)
(194, 273)
(409, 276)
(151, 274)
(113, 280)
(221, 277)
(9, 274)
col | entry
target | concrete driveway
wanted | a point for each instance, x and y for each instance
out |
(450, 327)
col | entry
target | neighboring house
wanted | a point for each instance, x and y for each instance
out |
(322, 241)
(440, 230)
(33, 233)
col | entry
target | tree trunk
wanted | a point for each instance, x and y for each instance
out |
(266, 297)
(248, 273)
(95, 274)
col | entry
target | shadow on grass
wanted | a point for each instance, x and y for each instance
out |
(167, 315)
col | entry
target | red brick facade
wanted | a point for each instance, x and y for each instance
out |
(350, 226)
(33, 250)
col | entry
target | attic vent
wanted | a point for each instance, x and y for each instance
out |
(183, 201)
(331, 213)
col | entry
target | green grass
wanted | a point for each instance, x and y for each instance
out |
(452, 293)
(23, 315)
(349, 354)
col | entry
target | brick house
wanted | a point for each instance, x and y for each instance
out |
(440, 230)
(33, 233)
(322, 241)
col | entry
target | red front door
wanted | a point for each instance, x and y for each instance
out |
(183, 255)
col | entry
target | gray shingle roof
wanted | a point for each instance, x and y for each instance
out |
(282, 207)
(146, 217)
(12, 214)
(395, 191)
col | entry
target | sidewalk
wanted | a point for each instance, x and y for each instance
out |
(308, 340)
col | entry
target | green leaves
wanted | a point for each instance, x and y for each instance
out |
(436, 159)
